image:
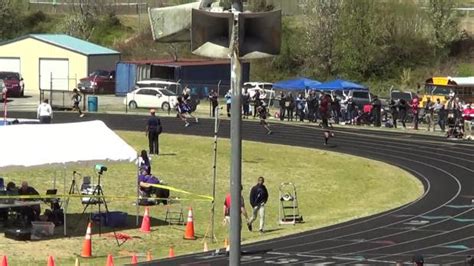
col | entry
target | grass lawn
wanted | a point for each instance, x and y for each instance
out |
(331, 187)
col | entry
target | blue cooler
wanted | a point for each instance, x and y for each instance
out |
(92, 103)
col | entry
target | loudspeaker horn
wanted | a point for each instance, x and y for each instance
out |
(259, 34)
(211, 33)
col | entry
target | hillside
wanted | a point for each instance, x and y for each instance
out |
(400, 55)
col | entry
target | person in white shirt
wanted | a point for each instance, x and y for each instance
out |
(45, 112)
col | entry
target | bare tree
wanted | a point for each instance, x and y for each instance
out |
(82, 22)
(322, 20)
(444, 21)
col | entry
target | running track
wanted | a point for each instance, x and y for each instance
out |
(439, 225)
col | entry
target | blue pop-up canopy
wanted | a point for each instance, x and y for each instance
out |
(296, 84)
(339, 84)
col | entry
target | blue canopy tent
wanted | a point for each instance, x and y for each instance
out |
(339, 84)
(297, 84)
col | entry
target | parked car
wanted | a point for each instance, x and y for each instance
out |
(361, 98)
(158, 83)
(98, 82)
(149, 97)
(396, 95)
(12, 81)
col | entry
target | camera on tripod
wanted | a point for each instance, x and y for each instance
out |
(100, 168)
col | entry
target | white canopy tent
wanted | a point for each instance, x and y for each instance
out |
(48, 144)
(40, 144)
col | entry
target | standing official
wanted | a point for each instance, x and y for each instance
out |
(258, 199)
(153, 130)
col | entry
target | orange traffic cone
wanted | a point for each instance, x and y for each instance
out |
(171, 253)
(206, 248)
(51, 261)
(134, 259)
(146, 222)
(4, 261)
(87, 244)
(110, 260)
(148, 256)
(189, 233)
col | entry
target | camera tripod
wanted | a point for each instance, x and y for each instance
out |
(99, 194)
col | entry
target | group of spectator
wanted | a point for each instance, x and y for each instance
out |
(453, 116)
(27, 213)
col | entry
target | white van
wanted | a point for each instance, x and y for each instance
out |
(265, 88)
(158, 83)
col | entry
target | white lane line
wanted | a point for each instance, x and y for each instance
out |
(384, 236)
(439, 245)
(398, 233)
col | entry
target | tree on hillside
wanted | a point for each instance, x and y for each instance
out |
(444, 22)
(9, 17)
(87, 16)
(82, 21)
(259, 5)
(359, 43)
(322, 20)
(405, 37)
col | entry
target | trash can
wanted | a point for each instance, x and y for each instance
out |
(92, 103)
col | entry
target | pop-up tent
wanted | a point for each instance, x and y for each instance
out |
(50, 144)
(339, 84)
(41, 144)
(298, 84)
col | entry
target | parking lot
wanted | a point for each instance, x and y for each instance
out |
(30, 103)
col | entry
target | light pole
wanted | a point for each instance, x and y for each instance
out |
(236, 145)
(238, 36)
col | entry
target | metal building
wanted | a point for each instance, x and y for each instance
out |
(54, 61)
(199, 75)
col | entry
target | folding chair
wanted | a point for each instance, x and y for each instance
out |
(174, 214)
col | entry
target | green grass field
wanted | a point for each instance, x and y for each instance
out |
(331, 187)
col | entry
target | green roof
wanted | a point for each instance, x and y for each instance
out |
(73, 44)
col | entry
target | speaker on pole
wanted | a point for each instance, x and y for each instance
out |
(259, 34)
(211, 33)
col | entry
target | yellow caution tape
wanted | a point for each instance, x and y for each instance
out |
(210, 198)
(196, 197)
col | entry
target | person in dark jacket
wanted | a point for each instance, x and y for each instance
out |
(282, 102)
(152, 131)
(376, 111)
(402, 111)
(214, 99)
(394, 111)
(324, 107)
(258, 199)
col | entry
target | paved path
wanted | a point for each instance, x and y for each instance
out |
(439, 225)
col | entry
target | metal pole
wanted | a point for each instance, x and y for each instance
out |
(5, 101)
(51, 88)
(236, 147)
(214, 168)
(137, 203)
